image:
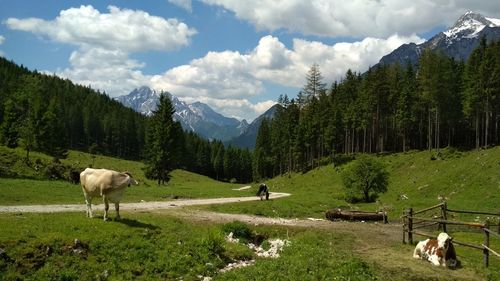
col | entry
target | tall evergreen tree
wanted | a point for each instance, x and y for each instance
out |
(163, 148)
(314, 83)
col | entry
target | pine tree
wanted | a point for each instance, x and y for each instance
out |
(261, 162)
(314, 85)
(163, 138)
(405, 114)
(474, 88)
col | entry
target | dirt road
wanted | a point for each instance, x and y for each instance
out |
(142, 206)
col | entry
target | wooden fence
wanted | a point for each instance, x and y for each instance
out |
(412, 224)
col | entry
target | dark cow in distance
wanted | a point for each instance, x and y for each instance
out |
(263, 191)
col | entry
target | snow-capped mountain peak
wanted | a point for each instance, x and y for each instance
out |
(457, 42)
(470, 25)
(494, 22)
(197, 117)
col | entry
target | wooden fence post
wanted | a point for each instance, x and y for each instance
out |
(486, 252)
(443, 213)
(405, 212)
(410, 226)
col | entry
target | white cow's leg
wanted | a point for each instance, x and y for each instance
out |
(106, 207)
(88, 201)
(117, 208)
(434, 260)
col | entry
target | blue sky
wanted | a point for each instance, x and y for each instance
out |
(237, 56)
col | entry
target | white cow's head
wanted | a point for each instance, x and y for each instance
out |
(444, 240)
(131, 179)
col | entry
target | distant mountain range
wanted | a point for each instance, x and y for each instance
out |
(197, 117)
(248, 138)
(458, 42)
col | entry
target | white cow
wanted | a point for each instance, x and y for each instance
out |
(438, 251)
(107, 184)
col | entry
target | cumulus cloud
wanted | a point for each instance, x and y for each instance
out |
(229, 81)
(108, 70)
(105, 42)
(225, 80)
(355, 18)
(123, 29)
(231, 74)
(237, 108)
(185, 4)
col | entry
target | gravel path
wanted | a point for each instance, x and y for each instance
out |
(142, 206)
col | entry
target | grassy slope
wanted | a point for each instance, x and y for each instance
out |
(159, 247)
(35, 191)
(470, 181)
(465, 178)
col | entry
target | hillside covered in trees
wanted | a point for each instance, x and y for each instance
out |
(440, 102)
(45, 113)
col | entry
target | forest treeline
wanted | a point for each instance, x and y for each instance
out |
(45, 113)
(390, 108)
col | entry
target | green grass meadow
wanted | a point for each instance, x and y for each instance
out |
(159, 246)
(33, 189)
(469, 181)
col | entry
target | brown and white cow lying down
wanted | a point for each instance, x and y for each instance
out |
(438, 251)
(107, 184)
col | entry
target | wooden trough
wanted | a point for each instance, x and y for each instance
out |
(339, 214)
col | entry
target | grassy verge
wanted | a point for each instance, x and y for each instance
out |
(154, 247)
(161, 247)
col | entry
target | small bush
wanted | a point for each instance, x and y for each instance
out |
(55, 170)
(214, 244)
(239, 229)
(364, 178)
(238, 251)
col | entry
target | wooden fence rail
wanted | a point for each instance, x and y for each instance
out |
(411, 223)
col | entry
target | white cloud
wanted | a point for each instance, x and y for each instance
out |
(355, 18)
(185, 4)
(237, 108)
(108, 70)
(225, 80)
(105, 42)
(122, 29)
(219, 74)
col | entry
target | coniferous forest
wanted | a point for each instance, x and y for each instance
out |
(391, 108)
(45, 113)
